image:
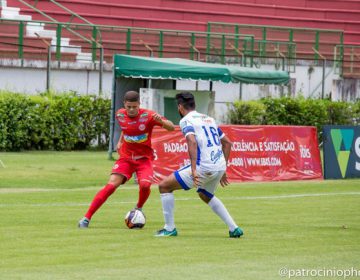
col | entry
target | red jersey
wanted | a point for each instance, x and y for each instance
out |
(136, 133)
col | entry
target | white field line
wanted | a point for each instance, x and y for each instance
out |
(39, 190)
(75, 204)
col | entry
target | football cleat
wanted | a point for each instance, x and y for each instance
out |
(164, 233)
(84, 223)
(236, 233)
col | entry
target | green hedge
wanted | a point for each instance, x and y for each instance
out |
(52, 122)
(294, 111)
(68, 121)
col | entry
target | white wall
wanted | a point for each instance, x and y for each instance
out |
(301, 83)
(33, 80)
(85, 81)
(307, 84)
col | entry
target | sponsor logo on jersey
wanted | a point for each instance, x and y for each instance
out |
(134, 122)
(204, 118)
(199, 116)
(143, 120)
(142, 127)
(120, 117)
(215, 156)
(136, 138)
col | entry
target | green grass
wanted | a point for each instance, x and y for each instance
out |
(54, 169)
(297, 225)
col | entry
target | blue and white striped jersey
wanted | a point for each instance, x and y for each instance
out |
(210, 156)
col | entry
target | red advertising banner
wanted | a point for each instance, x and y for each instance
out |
(258, 153)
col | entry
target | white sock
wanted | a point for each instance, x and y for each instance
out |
(168, 203)
(218, 207)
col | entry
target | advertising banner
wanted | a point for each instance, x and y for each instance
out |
(259, 153)
(341, 151)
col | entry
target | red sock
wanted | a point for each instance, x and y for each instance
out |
(144, 193)
(99, 199)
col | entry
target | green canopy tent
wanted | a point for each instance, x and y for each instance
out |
(177, 68)
(129, 66)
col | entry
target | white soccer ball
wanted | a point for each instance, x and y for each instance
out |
(135, 219)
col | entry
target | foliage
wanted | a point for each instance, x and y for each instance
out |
(295, 111)
(340, 112)
(52, 122)
(250, 112)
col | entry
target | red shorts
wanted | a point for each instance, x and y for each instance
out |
(142, 167)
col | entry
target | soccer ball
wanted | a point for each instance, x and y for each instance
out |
(135, 219)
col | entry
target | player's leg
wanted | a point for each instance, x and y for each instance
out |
(206, 193)
(176, 181)
(114, 182)
(144, 173)
(121, 172)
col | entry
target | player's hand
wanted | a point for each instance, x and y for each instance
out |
(196, 179)
(158, 118)
(118, 146)
(224, 181)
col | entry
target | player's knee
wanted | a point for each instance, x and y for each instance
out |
(144, 185)
(117, 180)
(164, 187)
(204, 197)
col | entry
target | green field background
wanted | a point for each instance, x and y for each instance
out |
(292, 225)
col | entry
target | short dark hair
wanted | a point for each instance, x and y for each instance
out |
(132, 96)
(186, 99)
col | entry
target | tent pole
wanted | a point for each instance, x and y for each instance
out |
(240, 91)
(151, 55)
(112, 117)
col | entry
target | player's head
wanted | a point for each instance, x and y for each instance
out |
(132, 103)
(186, 103)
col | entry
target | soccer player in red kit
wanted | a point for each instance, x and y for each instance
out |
(135, 152)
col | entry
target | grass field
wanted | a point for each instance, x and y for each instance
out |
(293, 225)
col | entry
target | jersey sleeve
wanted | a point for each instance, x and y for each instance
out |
(120, 115)
(221, 133)
(187, 128)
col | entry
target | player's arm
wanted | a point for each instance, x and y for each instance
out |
(192, 150)
(226, 148)
(118, 146)
(167, 124)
